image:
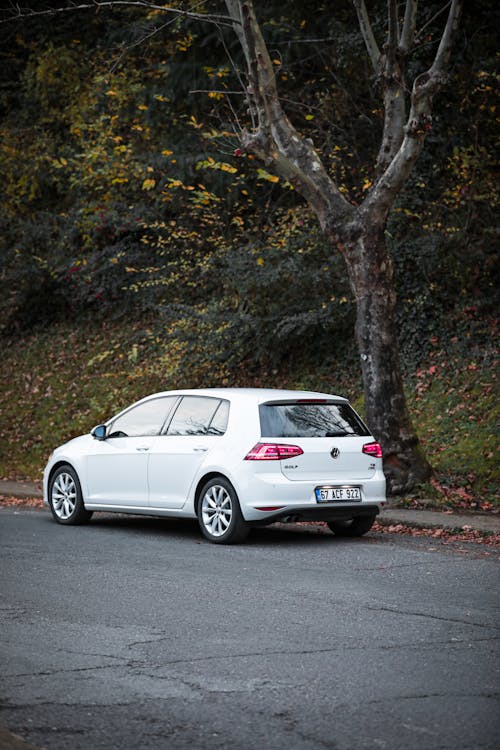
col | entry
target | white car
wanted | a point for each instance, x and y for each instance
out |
(232, 457)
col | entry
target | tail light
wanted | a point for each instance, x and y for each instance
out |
(272, 452)
(372, 449)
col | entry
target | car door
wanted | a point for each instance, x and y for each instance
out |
(176, 456)
(117, 466)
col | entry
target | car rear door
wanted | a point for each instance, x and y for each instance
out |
(176, 456)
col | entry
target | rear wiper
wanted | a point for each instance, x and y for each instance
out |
(339, 434)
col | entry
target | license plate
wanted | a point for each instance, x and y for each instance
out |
(337, 494)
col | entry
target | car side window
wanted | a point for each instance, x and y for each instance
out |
(142, 420)
(193, 416)
(218, 425)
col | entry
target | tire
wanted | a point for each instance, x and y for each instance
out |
(354, 527)
(65, 497)
(219, 513)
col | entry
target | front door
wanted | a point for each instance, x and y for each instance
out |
(117, 468)
(117, 471)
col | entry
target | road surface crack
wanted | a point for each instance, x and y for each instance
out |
(410, 613)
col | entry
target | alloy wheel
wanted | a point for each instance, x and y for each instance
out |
(216, 510)
(63, 496)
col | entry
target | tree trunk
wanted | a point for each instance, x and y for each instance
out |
(371, 274)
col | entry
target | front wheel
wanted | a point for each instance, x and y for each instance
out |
(65, 497)
(219, 513)
(354, 527)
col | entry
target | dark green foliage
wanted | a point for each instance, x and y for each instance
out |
(269, 305)
(443, 232)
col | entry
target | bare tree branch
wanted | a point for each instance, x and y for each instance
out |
(391, 79)
(426, 25)
(409, 26)
(393, 35)
(367, 32)
(425, 86)
(237, 73)
(137, 43)
(442, 58)
(275, 141)
(16, 12)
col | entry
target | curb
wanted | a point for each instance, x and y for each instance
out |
(425, 519)
(20, 489)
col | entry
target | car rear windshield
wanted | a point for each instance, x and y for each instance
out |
(302, 419)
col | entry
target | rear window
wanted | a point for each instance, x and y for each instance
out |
(293, 420)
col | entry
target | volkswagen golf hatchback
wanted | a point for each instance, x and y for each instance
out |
(231, 457)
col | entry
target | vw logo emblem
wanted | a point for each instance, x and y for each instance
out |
(334, 452)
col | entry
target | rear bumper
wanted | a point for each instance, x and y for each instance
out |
(298, 500)
(320, 513)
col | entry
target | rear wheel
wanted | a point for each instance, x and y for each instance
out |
(65, 497)
(219, 513)
(354, 527)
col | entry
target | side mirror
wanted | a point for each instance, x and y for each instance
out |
(99, 432)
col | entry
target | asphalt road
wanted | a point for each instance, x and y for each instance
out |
(136, 633)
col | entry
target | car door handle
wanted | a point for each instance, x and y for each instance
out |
(143, 448)
(200, 450)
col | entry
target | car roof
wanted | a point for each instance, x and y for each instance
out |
(259, 395)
